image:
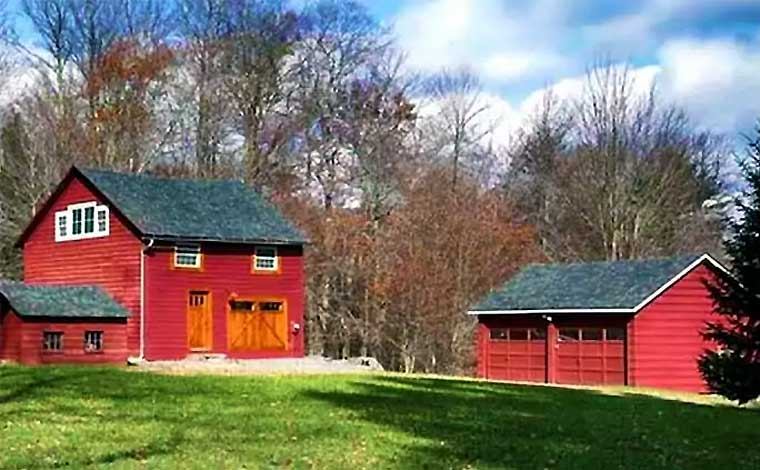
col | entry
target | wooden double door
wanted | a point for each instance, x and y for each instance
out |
(257, 324)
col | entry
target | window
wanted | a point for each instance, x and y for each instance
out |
(93, 341)
(614, 334)
(187, 256)
(518, 334)
(265, 259)
(76, 217)
(538, 333)
(52, 341)
(102, 219)
(499, 333)
(569, 334)
(80, 221)
(270, 307)
(62, 225)
(242, 305)
(591, 334)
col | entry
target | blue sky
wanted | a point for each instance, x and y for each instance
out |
(703, 54)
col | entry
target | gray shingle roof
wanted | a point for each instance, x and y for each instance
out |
(60, 301)
(194, 209)
(582, 286)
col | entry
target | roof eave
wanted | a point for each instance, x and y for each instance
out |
(251, 241)
(551, 311)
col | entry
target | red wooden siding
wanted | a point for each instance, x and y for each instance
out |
(520, 360)
(10, 335)
(111, 262)
(665, 336)
(21, 340)
(226, 272)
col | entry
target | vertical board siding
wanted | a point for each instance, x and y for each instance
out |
(226, 273)
(666, 335)
(10, 335)
(28, 334)
(111, 262)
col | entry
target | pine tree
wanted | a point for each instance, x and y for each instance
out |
(733, 368)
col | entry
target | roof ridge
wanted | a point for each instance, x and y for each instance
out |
(620, 261)
(85, 170)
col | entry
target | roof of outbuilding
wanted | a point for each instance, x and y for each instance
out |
(213, 210)
(602, 285)
(60, 301)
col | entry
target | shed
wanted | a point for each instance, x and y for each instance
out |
(635, 323)
(52, 324)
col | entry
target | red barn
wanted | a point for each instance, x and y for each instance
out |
(119, 265)
(632, 323)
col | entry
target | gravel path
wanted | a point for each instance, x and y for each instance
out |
(224, 366)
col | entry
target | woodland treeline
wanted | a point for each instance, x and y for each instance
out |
(413, 210)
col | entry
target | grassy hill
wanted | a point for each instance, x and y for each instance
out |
(75, 417)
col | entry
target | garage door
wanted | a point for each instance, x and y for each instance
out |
(517, 354)
(591, 356)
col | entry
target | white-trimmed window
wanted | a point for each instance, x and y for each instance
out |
(265, 259)
(81, 221)
(93, 341)
(187, 256)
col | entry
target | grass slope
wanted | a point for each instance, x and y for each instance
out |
(78, 418)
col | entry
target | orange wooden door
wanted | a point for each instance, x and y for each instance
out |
(257, 326)
(199, 321)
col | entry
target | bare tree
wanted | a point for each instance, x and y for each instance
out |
(622, 177)
(458, 129)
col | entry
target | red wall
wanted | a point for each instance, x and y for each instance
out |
(665, 340)
(226, 271)
(10, 335)
(111, 262)
(21, 340)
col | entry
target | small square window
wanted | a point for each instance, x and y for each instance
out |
(52, 341)
(93, 341)
(614, 334)
(270, 307)
(518, 334)
(265, 259)
(187, 256)
(499, 333)
(61, 224)
(591, 334)
(102, 220)
(537, 334)
(569, 334)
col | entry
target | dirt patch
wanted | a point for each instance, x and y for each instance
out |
(225, 366)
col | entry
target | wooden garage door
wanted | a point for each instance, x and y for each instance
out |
(257, 325)
(517, 354)
(591, 356)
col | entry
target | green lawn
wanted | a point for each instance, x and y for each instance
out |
(76, 418)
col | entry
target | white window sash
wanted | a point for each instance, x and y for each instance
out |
(68, 215)
(187, 251)
(274, 258)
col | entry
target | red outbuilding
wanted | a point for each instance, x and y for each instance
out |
(119, 265)
(634, 323)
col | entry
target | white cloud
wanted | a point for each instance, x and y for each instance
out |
(715, 80)
(500, 43)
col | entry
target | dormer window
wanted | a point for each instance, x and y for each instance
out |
(265, 260)
(187, 256)
(81, 221)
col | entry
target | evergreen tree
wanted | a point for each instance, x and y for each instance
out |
(733, 369)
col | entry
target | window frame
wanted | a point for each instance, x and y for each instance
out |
(45, 345)
(82, 223)
(275, 269)
(101, 342)
(178, 251)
